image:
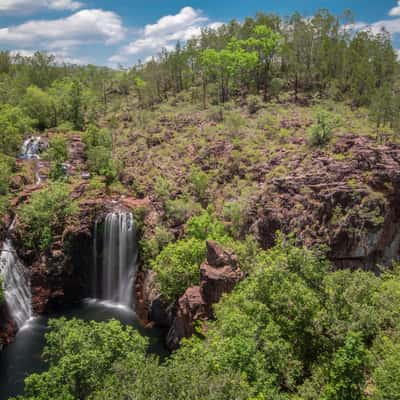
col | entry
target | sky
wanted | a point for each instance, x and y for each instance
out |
(121, 32)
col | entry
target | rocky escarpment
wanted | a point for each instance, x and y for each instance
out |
(218, 275)
(8, 327)
(348, 200)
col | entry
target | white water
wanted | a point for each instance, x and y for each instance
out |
(31, 147)
(17, 288)
(114, 279)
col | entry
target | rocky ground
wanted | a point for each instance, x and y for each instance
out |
(343, 198)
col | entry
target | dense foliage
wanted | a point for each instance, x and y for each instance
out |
(292, 330)
(45, 214)
(178, 263)
(208, 124)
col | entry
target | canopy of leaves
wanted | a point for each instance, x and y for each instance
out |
(45, 214)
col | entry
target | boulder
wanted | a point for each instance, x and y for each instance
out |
(218, 275)
(191, 307)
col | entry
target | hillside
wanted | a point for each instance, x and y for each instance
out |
(240, 194)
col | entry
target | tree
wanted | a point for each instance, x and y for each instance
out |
(77, 117)
(14, 125)
(386, 376)
(82, 356)
(347, 371)
(139, 85)
(39, 106)
(45, 215)
(265, 42)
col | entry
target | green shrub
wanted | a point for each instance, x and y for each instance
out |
(65, 127)
(151, 248)
(216, 114)
(57, 154)
(177, 267)
(200, 181)
(39, 106)
(320, 133)
(234, 122)
(82, 357)
(95, 136)
(386, 376)
(14, 124)
(254, 104)
(181, 209)
(276, 87)
(99, 154)
(6, 165)
(45, 215)
(206, 226)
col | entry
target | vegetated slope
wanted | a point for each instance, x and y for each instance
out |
(247, 130)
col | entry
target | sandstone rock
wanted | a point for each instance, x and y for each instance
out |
(8, 327)
(217, 281)
(191, 307)
(348, 201)
(218, 275)
(218, 257)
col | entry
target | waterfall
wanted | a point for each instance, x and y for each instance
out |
(113, 279)
(16, 285)
(31, 148)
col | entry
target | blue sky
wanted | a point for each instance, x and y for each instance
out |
(109, 32)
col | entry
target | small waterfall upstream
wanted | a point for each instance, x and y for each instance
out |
(114, 273)
(31, 148)
(16, 285)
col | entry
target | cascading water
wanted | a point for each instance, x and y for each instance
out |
(31, 147)
(113, 279)
(30, 151)
(17, 289)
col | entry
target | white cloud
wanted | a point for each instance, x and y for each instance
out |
(391, 26)
(29, 6)
(395, 11)
(187, 17)
(164, 34)
(83, 27)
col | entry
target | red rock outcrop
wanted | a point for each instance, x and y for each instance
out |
(348, 201)
(218, 275)
(8, 327)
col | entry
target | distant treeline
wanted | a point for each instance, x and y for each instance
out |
(266, 55)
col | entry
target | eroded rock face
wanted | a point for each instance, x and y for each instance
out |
(218, 275)
(348, 201)
(191, 307)
(8, 327)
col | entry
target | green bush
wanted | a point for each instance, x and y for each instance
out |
(320, 133)
(206, 226)
(151, 248)
(45, 215)
(82, 356)
(181, 209)
(57, 154)
(177, 267)
(14, 124)
(95, 136)
(386, 376)
(254, 104)
(234, 122)
(200, 181)
(39, 106)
